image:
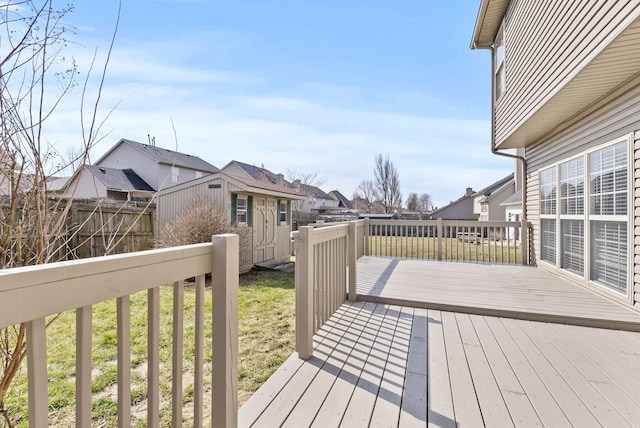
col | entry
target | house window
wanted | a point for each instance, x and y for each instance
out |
(548, 194)
(608, 182)
(241, 210)
(499, 68)
(591, 221)
(572, 215)
(175, 174)
(198, 174)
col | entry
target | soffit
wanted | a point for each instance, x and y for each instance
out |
(490, 15)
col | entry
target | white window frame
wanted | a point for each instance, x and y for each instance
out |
(175, 174)
(283, 212)
(242, 211)
(499, 52)
(588, 218)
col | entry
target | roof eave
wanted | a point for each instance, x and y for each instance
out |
(485, 29)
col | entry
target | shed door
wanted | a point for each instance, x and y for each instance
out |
(264, 229)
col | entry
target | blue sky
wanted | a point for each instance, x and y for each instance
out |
(313, 86)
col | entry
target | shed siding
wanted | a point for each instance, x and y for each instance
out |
(619, 118)
(546, 45)
(171, 203)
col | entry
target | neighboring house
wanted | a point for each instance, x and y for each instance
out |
(343, 201)
(566, 96)
(460, 209)
(317, 201)
(97, 182)
(513, 212)
(487, 202)
(158, 167)
(261, 206)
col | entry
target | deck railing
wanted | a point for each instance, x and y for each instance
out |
(476, 241)
(325, 276)
(29, 294)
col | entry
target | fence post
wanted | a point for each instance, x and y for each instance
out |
(352, 260)
(224, 373)
(439, 240)
(304, 293)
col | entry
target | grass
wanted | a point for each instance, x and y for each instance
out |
(266, 305)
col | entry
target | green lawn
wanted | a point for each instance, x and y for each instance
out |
(266, 330)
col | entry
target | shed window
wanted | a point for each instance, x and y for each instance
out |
(241, 210)
(283, 212)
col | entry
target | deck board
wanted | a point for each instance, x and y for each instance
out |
(441, 361)
(489, 289)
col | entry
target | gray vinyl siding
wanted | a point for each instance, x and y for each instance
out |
(547, 43)
(618, 119)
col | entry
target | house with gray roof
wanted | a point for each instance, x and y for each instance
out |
(487, 203)
(98, 182)
(158, 167)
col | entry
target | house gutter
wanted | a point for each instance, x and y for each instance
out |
(495, 151)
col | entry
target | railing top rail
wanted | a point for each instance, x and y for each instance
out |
(470, 223)
(30, 292)
(329, 233)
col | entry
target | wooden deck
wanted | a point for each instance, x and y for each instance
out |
(514, 291)
(379, 364)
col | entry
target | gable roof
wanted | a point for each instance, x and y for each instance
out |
(265, 185)
(495, 188)
(312, 191)
(255, 172)
(166, 156)
(123, 180)
(342, 199)
(245, 184)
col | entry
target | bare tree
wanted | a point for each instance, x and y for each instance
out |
(303, 182)
(365, 196)
(412, 202)
(35, 77)
(424, 202)
(387, 184)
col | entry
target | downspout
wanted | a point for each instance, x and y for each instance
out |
(521, 159)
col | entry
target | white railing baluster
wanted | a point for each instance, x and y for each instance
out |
(84, 317)
(37, 373)
(153, 357)
(178, 354)
(124, 361)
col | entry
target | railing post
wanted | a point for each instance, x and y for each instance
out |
(352, 260)
(37, 373)
(439, 230)
(367, 250)
(224, 376)
(524, 241)
(304, 293)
